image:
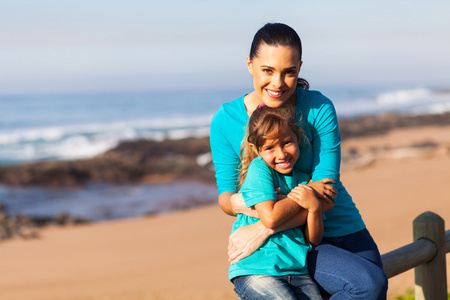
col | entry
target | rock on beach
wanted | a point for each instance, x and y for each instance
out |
(190, 158)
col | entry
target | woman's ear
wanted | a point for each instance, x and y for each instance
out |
(253, 148)
(249, 65)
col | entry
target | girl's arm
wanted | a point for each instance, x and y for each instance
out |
(305, 196)
(274, 213)
(233, 203)
(246, 240)
(314, 227)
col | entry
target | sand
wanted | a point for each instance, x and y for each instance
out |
(183, 255)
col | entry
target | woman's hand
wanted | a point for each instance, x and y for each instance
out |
(327, 204)
(323, 189)
(246, 240)
(239, 207)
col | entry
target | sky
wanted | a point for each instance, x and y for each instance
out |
(54, 46)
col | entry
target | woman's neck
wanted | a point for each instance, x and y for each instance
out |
(251, 101)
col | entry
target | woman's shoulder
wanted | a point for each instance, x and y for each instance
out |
(230, 117)
(232, 107)
(312, 97)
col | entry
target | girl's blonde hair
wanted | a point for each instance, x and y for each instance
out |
(266, 123)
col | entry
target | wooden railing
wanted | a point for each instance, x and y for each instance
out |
(426, 254)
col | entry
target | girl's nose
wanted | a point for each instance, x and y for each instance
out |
(280, 153)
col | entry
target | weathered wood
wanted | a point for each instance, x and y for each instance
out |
(447, 241)
(431, 277)
(408, 257)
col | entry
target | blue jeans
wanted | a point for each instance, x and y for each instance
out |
(289, 287)
(349, 267)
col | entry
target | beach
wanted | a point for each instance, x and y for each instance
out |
(182, 255)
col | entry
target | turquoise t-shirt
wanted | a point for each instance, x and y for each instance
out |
(283, 253)
(320, 154)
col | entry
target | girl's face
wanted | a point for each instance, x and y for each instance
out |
(275, 72)
(280, 153)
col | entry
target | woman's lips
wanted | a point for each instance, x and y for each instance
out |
(274, 94)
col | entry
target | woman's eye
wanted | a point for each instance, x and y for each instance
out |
(267, 71)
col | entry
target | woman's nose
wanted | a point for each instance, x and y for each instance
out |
(277, 80)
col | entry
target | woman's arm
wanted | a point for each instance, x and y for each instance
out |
(325, 142)
(225, 203)
(233, 204)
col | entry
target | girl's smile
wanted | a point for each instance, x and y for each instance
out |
(281, 153)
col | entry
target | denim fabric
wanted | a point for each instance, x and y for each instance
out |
(349, 267)
(289, 287)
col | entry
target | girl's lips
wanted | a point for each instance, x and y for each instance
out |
(285, 164)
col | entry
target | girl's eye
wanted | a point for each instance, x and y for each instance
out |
(268, 71)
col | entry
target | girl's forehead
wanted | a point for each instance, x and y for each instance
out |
(275, 137)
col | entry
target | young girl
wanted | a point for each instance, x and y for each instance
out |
(277, 270)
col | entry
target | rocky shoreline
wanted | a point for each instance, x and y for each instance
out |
(185, 159)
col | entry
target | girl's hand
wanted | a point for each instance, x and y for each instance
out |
(323, 190)
(239, 207)
(246, 240)
(305, 197)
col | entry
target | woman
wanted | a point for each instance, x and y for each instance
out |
(347, 264)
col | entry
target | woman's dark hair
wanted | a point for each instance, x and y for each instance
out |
(278, 34)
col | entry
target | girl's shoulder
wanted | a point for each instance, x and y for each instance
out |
(259, 168)
(259, 163)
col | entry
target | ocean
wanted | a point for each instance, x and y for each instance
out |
(76, 126)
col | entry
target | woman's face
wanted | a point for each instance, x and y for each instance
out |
(275, 72)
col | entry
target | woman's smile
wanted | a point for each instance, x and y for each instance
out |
(275, 71)
(274, 93)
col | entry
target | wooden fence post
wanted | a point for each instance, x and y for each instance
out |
(431, 277)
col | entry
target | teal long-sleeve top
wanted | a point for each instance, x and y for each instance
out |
(320, 153)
